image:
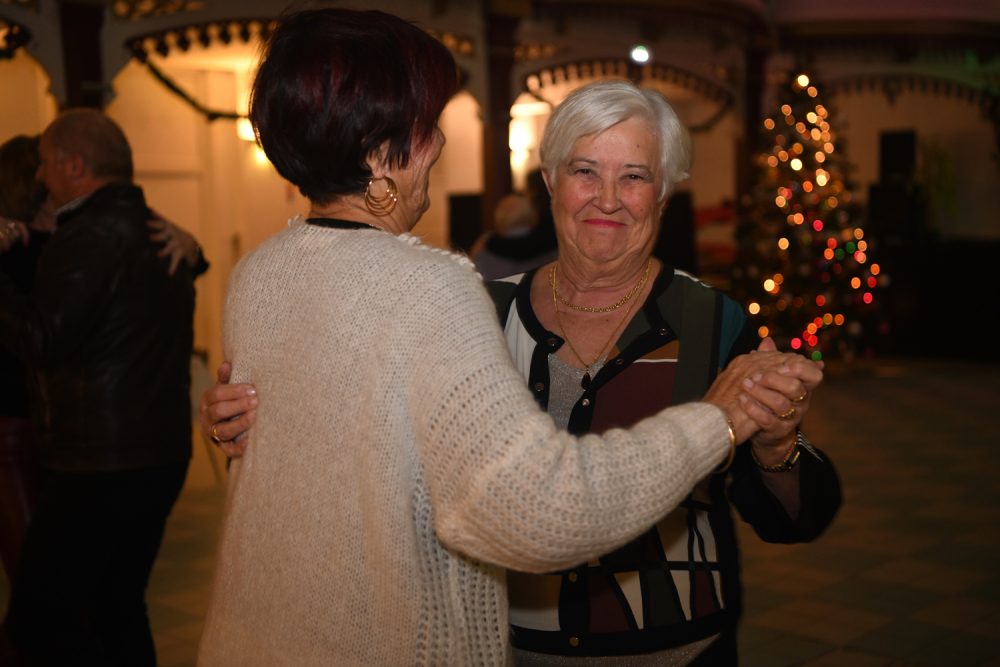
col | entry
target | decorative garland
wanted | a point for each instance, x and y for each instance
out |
(534, 82)
(224, 31)
(204, 34)
(14, 37)
(986, 97)
(209, 114)
(891, 85)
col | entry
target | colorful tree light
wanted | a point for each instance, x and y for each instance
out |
(802, 267)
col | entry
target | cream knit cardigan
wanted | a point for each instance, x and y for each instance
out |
(399, 463)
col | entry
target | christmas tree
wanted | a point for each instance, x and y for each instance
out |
(803, 268)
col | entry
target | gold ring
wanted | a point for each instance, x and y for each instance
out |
(217, 440)
(787, 414)
(800, 398)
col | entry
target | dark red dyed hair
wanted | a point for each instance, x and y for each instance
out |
(335, 84)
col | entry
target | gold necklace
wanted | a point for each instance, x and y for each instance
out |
(585, 381)
(598, 309)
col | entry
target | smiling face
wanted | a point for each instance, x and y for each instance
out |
(605, 196)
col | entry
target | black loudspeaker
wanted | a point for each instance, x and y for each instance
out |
(897, 157)
(464, 220)
(676, 242)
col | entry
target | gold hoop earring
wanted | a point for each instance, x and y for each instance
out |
(384, 205)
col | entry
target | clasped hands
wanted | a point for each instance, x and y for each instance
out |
(766, 394)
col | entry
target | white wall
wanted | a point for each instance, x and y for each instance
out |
(175, 161)
(27, 106)
(459, 170)
(953, 126)
(713, 171)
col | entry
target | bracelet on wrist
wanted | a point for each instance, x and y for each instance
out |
(790, 459)
(732, 447)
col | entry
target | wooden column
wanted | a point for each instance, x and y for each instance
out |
(753, 92)
(497, 179)
(80, 25)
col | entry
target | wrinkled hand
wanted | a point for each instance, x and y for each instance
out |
(780, 400)
(730, 387)
(227, 412)
(11, 232)
(178, 245)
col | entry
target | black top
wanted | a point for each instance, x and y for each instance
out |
(18, 264)
(341, 224)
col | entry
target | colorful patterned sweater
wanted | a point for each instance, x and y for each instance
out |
(678, 582)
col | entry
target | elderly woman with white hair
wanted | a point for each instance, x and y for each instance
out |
(607, 335)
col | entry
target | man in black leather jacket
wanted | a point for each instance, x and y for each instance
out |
(110, 332)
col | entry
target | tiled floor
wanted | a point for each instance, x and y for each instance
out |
(908, 575)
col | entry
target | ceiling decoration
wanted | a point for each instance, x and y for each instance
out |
(536, 81)
(247, 30)
(527, 52)
(986, 96)
(892, 84)
(133, 10)
(12, 37)
(181, 38)
(551, 83)
(460, 45)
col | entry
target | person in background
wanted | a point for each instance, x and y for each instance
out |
(108, 333)
(22, 197)
(398, 461)
(512, 245)
(27, 221)
(544, 233)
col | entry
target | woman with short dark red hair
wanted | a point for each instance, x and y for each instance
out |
(398, 462)
(363, 83)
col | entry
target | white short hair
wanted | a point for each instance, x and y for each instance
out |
(594, 108)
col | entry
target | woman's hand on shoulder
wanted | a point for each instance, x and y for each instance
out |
(178, 244)
(11, 232)
(227, 411)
